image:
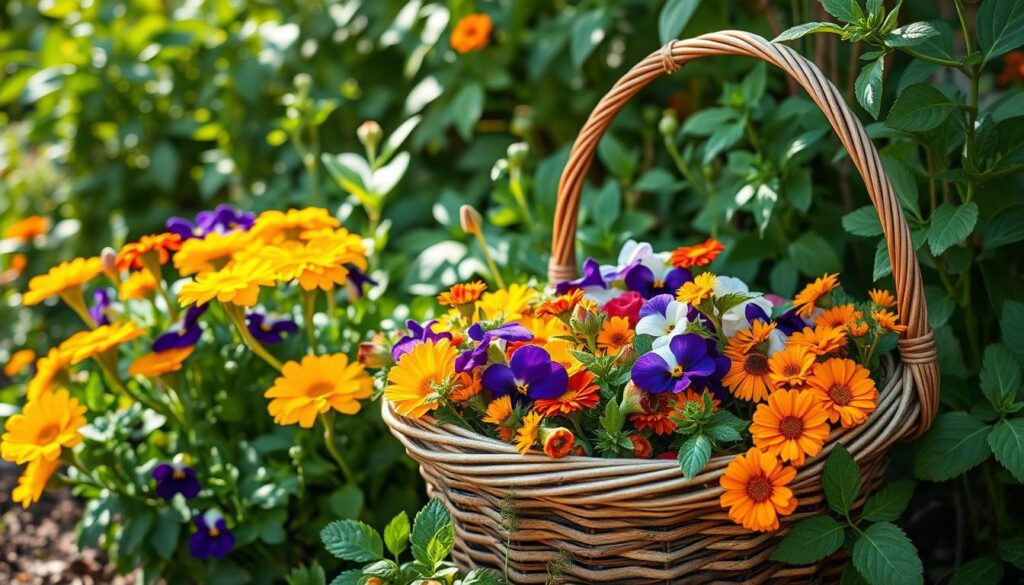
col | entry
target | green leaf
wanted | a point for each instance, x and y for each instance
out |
(352, 540)
(482, 577)
(588, 30)
(1000, 376)
(904, 183)
(1007, 442)
(395, 139)
(432, 532)
(306, 575)
(164, 537)
(135, 528)
(813, 256)
(810, 540)
(844, 10)
(956, 442)
(983, 571)
(621, 161)
(888, 503)
(884, 555)
(396, 534)
(869, 87)
(347, 502)
(1012, 323)
(673, 18)
(753, 85)
(1011, 550)
(840, 480)
(919, 108)
(1000, 27)
(385, 569)
(808, 28)
(466, 109)
(706, 122)
(350, 577)
(722, 139)
(783, 278)
(911, 34)
(1007, 227)
(693, 455)
(950, 225)
(863, 222)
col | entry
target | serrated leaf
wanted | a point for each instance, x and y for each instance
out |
(432, 523)
(813, 255)
(810, 540)
(1007, 443)
(396, 534)
(1000, 27)
(352, 540)
(950, 224)
(693, 455)
(888, 503)
(884, 555)
(350, 577)
(840, 480)
(910, 35)
(956, 442)
(869, 87)
(673, 18)
(1000, 377)
(919, 108)
(863, 222)
(481, 577)
(983, 571)
(808, 28)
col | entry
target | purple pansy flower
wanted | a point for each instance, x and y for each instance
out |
(418, 333)
(591, 279)
(174, 479)
(223, 218)
(477, 356)
(269, 331)
(359, 279)
(529, 374)
(183, 334)
(212, 539)
(686, 360)
(101, 304)
(649, 283)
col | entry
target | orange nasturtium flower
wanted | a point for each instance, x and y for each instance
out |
(472, 33)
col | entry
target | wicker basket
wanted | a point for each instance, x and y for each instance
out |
(640, 521)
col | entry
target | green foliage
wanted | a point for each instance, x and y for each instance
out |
(810, 540)
(884, 554)
(840, 480)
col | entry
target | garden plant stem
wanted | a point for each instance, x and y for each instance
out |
(328, 421)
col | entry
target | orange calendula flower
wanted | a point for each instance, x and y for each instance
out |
(45, 426)
(28, 228)
(807, 299)
(858, 329)
(413, 383)
(316, 385)
(749, 376)
(660, 411)
(154, 249)
(790, 367)
(882, 298)
(466, 386)
(749, 339)
(160, 362)
(274, 226)
(472, 33)
(20, 360)
(561, 304)
(845, 389)
(842, 316)
(791, 425)
(499, 412)
(616, 334)
(462, 294)
(557, 442)
(33, 481)
(528, 432)
(212, 252)
(138, 285)
(889, 320)
(510, 303)
(318, 264)
(86, 344)
(583, 393)
(820, 340)
(699, 255)
(641, 446)
(238, 284)
(64, 279)
(701, 289)
(756, 492)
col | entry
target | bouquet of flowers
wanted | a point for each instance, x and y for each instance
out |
(654, 356)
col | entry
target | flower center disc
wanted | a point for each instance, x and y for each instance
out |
(840, 394)
(179, 474)
(320, 388)
(214, 532)
(47, 433)
(759, 489)
(522, 388)
(677, 372)
(791, 370)
(756, 364)
(791, 427)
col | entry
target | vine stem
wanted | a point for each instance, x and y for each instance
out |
(327, 419)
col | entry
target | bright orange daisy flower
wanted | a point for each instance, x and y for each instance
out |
(160, 362)
(462, 293)
(842, 316)
(749, 376)
(582, 393)
(888, 320)
(466, 386)
(748, 339)
(807, 299)
(472, 33)
(616, 334)
(699, 255)
(791, 425)
(845, 389)
(790, 367)
(756, 492)
(561, 304)
(819, 340)
(882, 298)
(153, 248)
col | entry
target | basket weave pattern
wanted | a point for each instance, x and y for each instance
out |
(640, 521)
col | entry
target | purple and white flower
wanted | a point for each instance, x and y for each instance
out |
(212, 537)
(663, 318)
(529, 374)
(688, 360)
(655, 275)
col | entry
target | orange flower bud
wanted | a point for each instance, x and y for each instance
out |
(471, 221)
(374, 355)
(558, 442)
(641, 447)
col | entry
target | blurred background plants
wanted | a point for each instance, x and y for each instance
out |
(117, 114)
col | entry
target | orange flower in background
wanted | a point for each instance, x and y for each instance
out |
(64, 278)
(791, 425)
(28, 228)
(845, 389)
(18, 264)
(528, 432)
(33, 481)
(18, 362)
(842, 316)
(882, 298)
(316, 385)
(701, 289)
(789, 368)
(583, 393)
(807, 299)
(888, 320)
(462, 294)
(472, 33)
(557, 442)
(746, 340)
(616, 334)
(561, 304)
(138, 285)
(160, 362)
(156, 248)
(756, 492)
(1013, 68)
(699, 255)
(820, 340)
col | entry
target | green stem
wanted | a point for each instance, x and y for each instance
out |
(75, 299)
(515, 185)
(328, 421)
(490, 261)
(308, 312)
(235, 313)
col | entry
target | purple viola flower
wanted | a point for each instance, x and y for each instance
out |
(223, 218)
(174, 479)
(101, 304)
(418, 333)
(212, 537)
(686, 360)
(591, 279)
(788, 322)
(477, 356)
(642, 279)
(359, 279)
(182, 334)
(529, 374)
(269, 331)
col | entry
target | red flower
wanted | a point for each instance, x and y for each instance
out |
(626, 305)
(641, 447)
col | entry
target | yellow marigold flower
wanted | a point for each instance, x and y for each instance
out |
(315, 264)
(316, 385)
(699, 255)
(462, 294)
(820, 340)
(160, 362)
(561, 304)
(882, 298)
(413, 380)
(510, 303)
(528, 431)
(789, 368)
(156, 248)
(756, 492)
(701, 289)
(238, 284)
(616, 334)
(889, 320)
(28, 228)
(806, 300)
(33, 481)
(62, 279)
(274, 226)
(18, 362)
(47, 369)
(845, 390)
(550, 334)
(86, 344)
(842, 316)
(791, 425)
(46, 425)
(139, 285)
(213, 252)
(472, 33)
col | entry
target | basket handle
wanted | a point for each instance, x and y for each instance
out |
(917, 344)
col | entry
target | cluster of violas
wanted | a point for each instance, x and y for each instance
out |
(223, 257)
(661, 336)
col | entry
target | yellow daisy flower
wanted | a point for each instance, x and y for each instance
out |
(86, 344)
(527, 434)
(238, 284)
(315, 386)
(65, 278)
(213, 252)
(701, 289)
(138, 285)
(412, 381)
(316, 264)
(160, 362)
(46, 425)
(274, 226)
(511, 302)
(33, 481)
